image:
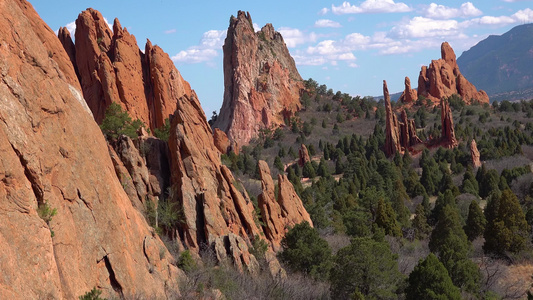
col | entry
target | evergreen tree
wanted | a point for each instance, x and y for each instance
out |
(506, 229)
(476, 222)
(420, 224)
(278, 164)
(386, 218)
(303, 250)
(430, 280)
(117, 122)
(366, 266)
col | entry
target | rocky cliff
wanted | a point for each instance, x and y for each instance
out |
(399, 135)
(261, 83)
(111, 68)
(55, 158)
(442, 78)
(448, 139)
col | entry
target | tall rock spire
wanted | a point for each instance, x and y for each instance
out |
(261, 83)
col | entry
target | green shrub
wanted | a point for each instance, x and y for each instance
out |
(94, 294)
(117, 122)
(186, 262)
(163, 132)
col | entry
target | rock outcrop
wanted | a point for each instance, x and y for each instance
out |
(278, 215)
(303, 155)
(409, 95)
(474, 154)
(221, 141)
(261, 83)
(448, 139)
(112, 68)
(54, 155)
(399, 135)
(442, 78)
(392, 136)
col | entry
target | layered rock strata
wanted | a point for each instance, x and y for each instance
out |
(53, 155)
(261, 83)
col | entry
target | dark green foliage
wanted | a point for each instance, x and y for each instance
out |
(420, 224)
(94, 294)
(430, 280)
(304, 251)
(450, 242)
(186, 262)
(259, 247)
(117, 122)
(163, 132)
(476, 222)
(506, 229)
(386, 218)
(368, 267)
(278, 164)
(308, 170)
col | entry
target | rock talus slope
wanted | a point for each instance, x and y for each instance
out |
(261, 83)
(53, 153)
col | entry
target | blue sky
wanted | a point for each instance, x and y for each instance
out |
(349, 46)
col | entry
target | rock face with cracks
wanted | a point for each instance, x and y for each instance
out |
(111, 68)
(399, 135)
(442, 78)
(52, 153)
(303, 155)
(278, 215)
(448, 139)
(261, 83)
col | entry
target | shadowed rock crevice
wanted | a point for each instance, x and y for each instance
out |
(112, 278)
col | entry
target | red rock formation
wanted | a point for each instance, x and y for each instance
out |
(64, 37)
(221, 141)
(303, 155)
(261, 83)
(408, 136)
(279, 215)
(212, 205)
(474, 153)
(392, 136)
(113, 69)
(53, 153)
(409, 95)
(443, 79)
(448, 139)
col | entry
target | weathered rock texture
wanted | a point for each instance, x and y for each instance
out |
(261, 83)
(303, 155)
(409, 95)
(52, 152)
(442, 78)
(474, 153)
(213, 207)
(221, 140)
(112, 68)
(448, 139)
(278, 215)
(399, 135)
(392, 136)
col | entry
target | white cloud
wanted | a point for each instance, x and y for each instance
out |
(256, 27)
(170, 31)
(294, 37)
(371, 6)
(437, 11)
(521, 16)
(209, 48)
(420, 27)
(327, 23)
(323, 11)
